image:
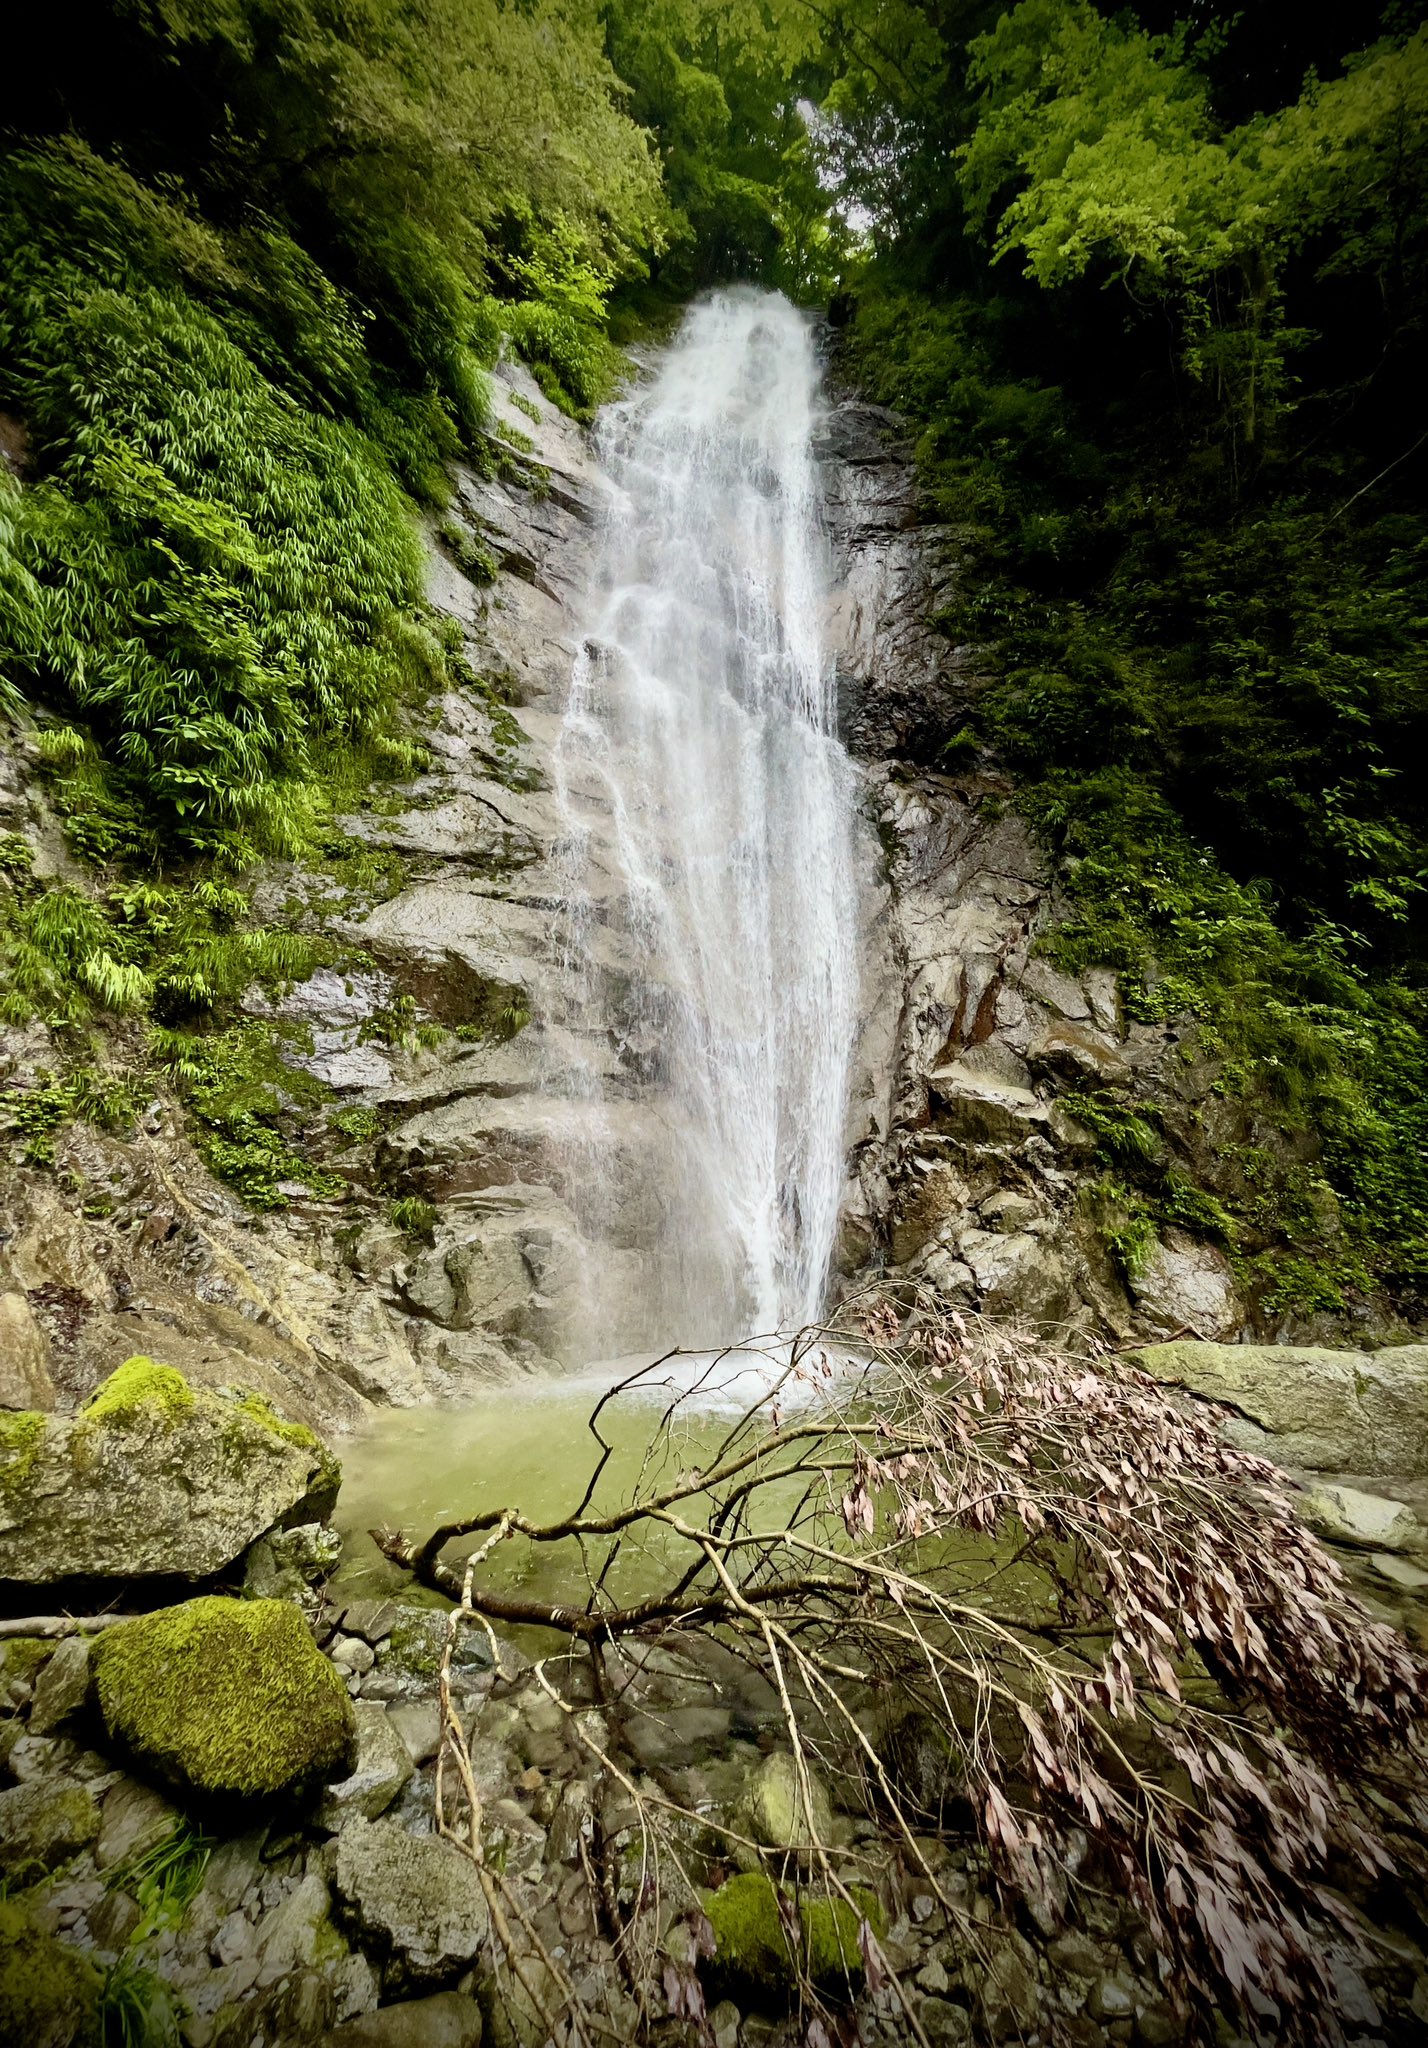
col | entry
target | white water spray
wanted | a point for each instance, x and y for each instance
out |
(708, 849)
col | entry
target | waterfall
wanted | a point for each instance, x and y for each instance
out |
(707, 814)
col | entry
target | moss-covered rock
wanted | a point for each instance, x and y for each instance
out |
(153, 1476)
(43, 1823)
(49, 1994)
(754, 1959)
(227, 1697)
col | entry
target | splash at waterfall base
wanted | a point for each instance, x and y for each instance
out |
(882, 1743)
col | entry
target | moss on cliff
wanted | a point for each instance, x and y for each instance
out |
(230, 1697)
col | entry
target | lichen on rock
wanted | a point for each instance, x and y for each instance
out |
(227, 1697)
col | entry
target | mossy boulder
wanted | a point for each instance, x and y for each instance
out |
(43, 1823)
(754, 1957)
(152, 1477)
(228, 1698)
(49, 1994)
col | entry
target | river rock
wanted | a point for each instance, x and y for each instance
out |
(152, 1476)
(62, 1686)
(226, 1697)
(776, 1811)
(135, 1819)
(445, 2020)
(383, 1766)
(414, 1898)
(1326, 1411)
(1186, 1285)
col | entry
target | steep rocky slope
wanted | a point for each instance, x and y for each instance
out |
(448, 1022)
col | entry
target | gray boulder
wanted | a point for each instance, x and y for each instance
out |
(1326, 1411)
(415, 1899)
(383, 1766)
(152, 1476)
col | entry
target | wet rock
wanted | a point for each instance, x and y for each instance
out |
(672, 1736)
(152, 1476)
(289, 1938)
(1357, 1411)
(1397, 1571)
(383, 1766)
(114, 1920)
(62, 1686)
(134, 1819)
(778, 1811)
(446, 2020)
(229, 1697)
(24, 1357)
(1112, 1996)
(1186, 1285)
(945, 2025)
(414, 1898)
(288, 1564)
(1363, 1520)
(418, 1723)
(1009, 1999)
(43, 1824)
(372, 1620)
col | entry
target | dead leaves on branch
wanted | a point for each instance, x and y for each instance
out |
(1098, 1622)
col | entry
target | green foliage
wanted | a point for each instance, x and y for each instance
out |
(1195, 582)
(412, 1215)
(356, 1122)
(243, 1098)
(84, 1095)
(137, 2008)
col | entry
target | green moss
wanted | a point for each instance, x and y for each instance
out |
(22, 1656)
(20, 1439)
(49, 1994)
(753, 1960)
(139, 1388)
(230, 1697)
(417, 1638)
(328, 1476)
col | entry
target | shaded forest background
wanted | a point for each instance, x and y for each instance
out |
(1150, 288)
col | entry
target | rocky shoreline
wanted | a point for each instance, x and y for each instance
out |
(223, 1808)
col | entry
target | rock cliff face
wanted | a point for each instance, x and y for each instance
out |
(967, 1162)
(970, 1167)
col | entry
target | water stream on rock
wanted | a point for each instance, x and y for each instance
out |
(706, 867)
(708, 809)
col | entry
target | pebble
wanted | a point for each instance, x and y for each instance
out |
(933, 1979)
(350, 1653)
(234, 1939)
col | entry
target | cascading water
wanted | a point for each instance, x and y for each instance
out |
(708, 850)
